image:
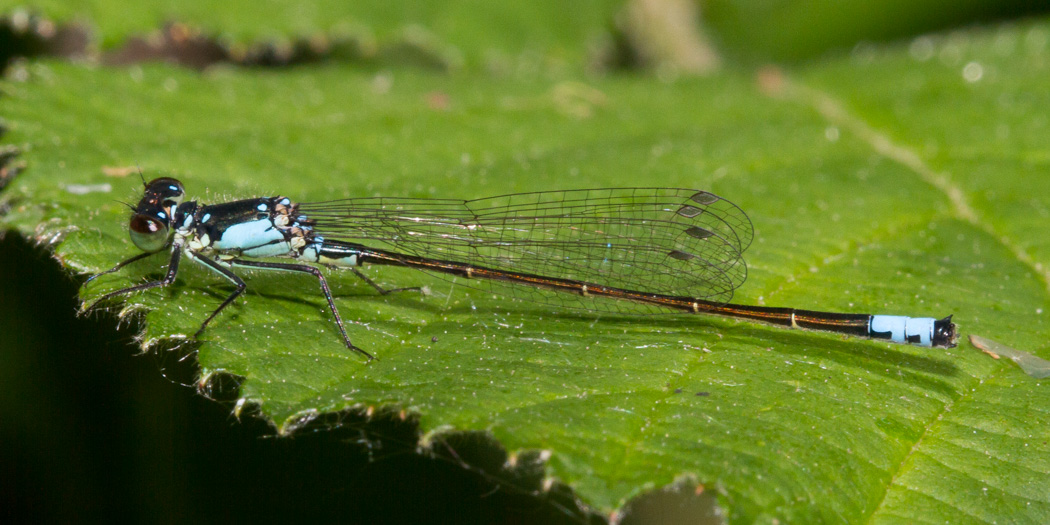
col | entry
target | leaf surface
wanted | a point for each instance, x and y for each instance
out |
(881, 183)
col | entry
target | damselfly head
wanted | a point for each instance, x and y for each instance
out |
(165, 192)
(151, 223)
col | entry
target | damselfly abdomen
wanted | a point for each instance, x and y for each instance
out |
(602, 248)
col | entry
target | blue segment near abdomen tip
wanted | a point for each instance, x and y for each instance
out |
(902, 329)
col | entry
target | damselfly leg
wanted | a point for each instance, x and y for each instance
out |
(240, 287)
(300, 268)
(173, 269)
(120, 265)
(385, 291)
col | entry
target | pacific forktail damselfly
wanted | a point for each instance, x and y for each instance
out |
(645, 247)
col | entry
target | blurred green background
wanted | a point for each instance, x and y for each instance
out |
(789, 30)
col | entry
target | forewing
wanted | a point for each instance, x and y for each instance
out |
(657, 240)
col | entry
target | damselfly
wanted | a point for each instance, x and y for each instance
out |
(641, 247)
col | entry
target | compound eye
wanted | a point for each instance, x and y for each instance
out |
(150, 234)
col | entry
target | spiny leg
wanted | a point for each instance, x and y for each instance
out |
(302, 268)
(230, 276)
(380, 289)
(119, 266)
(173, 268)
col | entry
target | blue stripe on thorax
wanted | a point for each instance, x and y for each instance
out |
(258, 238)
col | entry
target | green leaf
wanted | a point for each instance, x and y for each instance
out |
(897, 181)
